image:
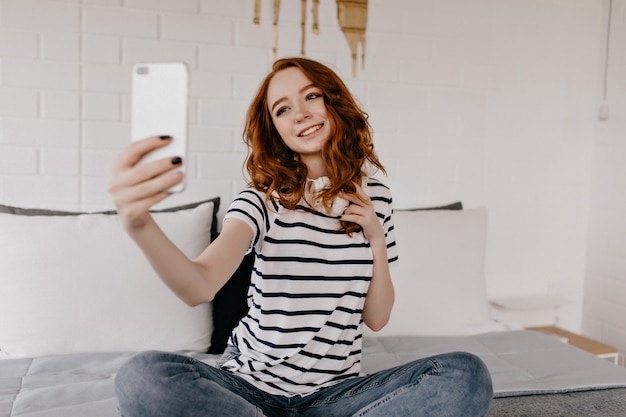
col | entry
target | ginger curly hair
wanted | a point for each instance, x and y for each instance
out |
(277, 170)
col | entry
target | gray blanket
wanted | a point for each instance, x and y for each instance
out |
(522, 363)
(610, 402)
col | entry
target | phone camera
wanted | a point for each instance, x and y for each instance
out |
(142, 70)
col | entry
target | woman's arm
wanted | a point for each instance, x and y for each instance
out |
(195, 281)
(380, 295)
(134, 189)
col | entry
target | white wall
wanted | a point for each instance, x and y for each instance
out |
(605, 289)
(490, 102)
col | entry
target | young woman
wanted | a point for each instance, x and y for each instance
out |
(322, 233)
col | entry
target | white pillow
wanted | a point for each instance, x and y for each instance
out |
(78, 283)
(439, 280)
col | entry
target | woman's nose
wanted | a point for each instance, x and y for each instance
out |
(302, 114)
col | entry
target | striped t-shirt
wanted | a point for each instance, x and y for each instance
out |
(304, 327)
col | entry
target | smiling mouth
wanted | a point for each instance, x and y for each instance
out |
(310, 130)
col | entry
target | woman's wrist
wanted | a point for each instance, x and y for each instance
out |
(378, 244)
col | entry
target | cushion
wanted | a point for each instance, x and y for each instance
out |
(75, 282)
(439, 279)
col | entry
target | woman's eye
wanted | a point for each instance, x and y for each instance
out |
(312, 96)
(281, 111)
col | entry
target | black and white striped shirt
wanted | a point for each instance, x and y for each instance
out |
(304, 327)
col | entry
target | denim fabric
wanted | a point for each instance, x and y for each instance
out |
(159, 384)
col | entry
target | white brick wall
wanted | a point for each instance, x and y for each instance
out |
(493, 104)
(40, 16)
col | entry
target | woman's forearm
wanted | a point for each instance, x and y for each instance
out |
(380, 295)
(194, 281)
(183, 276)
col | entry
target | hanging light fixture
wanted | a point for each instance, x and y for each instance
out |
(352, 17)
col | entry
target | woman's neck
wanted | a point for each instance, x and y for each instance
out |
(315, 167)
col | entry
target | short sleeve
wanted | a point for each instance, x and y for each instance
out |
(249, 206)
(380, 195)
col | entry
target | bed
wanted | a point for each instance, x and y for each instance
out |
(78, 300)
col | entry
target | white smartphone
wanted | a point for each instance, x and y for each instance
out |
(159, 108)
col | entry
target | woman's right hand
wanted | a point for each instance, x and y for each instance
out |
(135, 188)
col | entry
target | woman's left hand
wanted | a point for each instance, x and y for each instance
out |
(361, 211)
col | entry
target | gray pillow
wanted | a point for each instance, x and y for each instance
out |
(46, 212)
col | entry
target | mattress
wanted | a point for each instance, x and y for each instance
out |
(520, 362)
(529, 370)
(79, 385)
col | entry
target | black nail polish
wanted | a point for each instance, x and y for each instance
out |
(165, 137)
(176, 160)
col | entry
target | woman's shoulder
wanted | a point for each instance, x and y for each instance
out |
(255, 197)
(373, 181)
(248, 191)
(374, 186)
(379, 193)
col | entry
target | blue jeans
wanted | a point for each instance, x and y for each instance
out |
(159, 384)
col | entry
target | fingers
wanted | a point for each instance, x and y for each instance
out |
(360, 208)
(138, 174)
(359, 197)
(136, 214)
(136, 187)
(126, 171)
(138, 149)
(362, 212)
(153, 187)
(361, 194)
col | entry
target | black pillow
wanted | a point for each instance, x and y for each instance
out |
(230, 304)
(452, 206)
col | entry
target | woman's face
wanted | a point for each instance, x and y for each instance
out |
(298, 112)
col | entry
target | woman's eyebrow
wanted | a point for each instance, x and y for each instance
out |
(302, 90)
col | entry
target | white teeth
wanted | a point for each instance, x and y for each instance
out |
(310, 130)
